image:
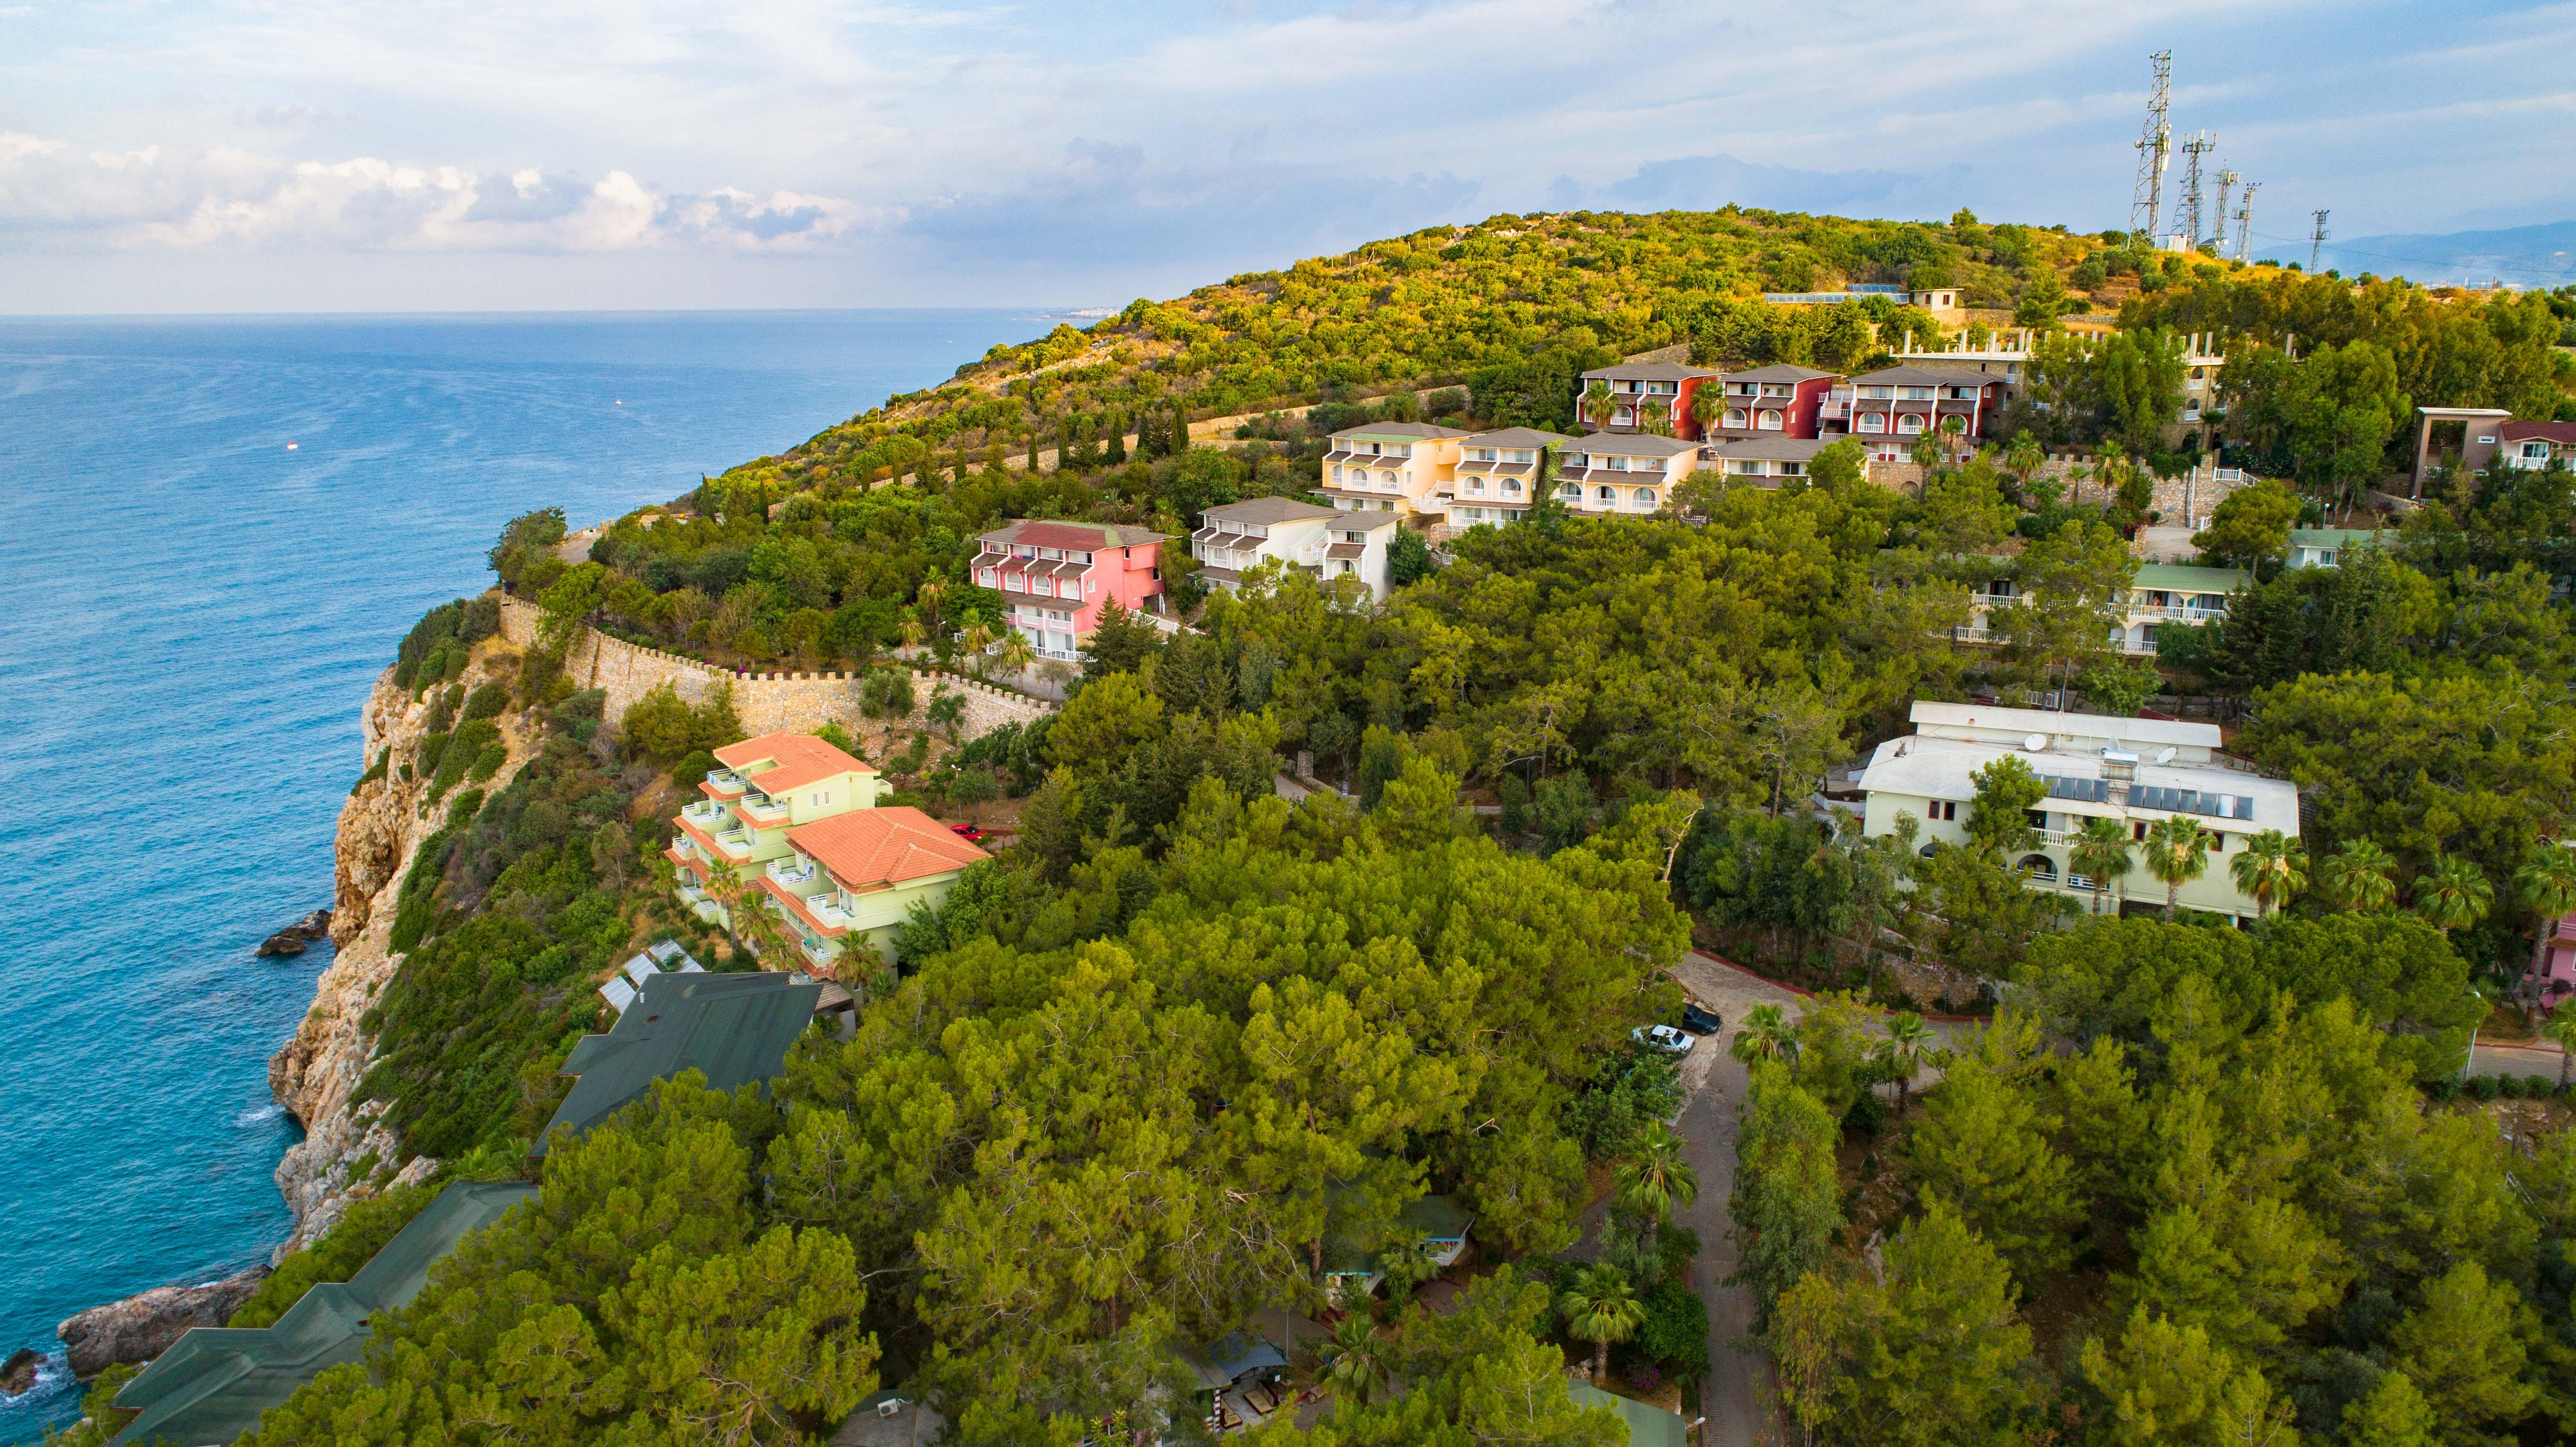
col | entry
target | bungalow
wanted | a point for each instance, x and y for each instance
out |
(2526, 446)
(1235, 538)
(1438, 1222)
(1390, 467)
(1775, 401)
(1055, 577)
(2325, 547)
(213, 1383)
(1604, 473)
(1768, 461)
(1644, 392)
(854, 877)
(1497, 472)
(2162, 595)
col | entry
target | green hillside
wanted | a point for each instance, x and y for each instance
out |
(1434, 306)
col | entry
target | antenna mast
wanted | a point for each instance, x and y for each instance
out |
(2155, 146)
(2245, 221)
(2192, 150)
(2317, 241)
(2218, 227)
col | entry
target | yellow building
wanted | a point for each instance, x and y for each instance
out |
(1397, 467)
(1607, 473)
(788, 810)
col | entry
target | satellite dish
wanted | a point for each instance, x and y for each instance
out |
(2165, 755)
(2036, 743)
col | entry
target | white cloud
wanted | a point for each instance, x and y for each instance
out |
(160, 197)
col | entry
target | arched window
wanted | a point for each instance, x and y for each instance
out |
(1511, 487)
(2040, 866)
(1929, 851)
(1573, 491)
(1910, 422)
(1645, 497)
(1607, 494)
(1769, 421)
(1734, 416)
(1873, 422)
(1386, 480)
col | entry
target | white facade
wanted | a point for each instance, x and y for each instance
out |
(1322, 542)
(2138, 771)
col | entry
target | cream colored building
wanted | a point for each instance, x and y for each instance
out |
(1397, 467)
(1497, 475)
(1606, 473)
(2137, 771)
(1323, 542)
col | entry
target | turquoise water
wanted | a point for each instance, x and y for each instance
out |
(190, 616)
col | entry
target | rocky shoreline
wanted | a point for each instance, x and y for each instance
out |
(314, 1074)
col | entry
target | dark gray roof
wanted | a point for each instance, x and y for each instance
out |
(1346, 551)
(1650, 372)
(1923, 377)
(1640, 444)
(733, 1029)
(1367, 430)
(1267, 510)
(214, 1382)
(1529, 437)
(1778, 372)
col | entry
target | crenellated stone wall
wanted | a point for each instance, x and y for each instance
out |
(765, 702)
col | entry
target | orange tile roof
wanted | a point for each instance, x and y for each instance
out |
(797, 760)
(868, 848)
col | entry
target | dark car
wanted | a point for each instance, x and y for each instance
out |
(1702, 1022)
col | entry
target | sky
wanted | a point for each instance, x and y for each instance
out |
(431, 155)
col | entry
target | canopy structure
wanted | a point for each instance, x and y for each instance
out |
(733, 1029)
(1648, 1425)
(211, 1386)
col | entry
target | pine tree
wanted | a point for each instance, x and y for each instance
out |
(1941, 1359)
(1983, 1147)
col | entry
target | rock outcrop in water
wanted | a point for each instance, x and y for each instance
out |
(318, 1070)
(139, 1328)
(293, 939)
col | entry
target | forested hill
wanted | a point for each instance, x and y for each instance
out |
(1433, 306)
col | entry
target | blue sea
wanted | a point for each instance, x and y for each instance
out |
(191, 612)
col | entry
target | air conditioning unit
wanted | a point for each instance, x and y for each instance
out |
(889, 1406)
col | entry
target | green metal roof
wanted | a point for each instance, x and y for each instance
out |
(1438, 1219)
(733, 1029)
(1648, 1425)
(211, 1386)
(2176, 578)
(2333, 537)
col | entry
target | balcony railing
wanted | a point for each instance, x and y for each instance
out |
(789, 872)
(1314, 553)
(2167, 613)
(736, 843)
(763, 810)
(727, 781)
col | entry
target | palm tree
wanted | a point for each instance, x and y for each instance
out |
(1599, 404)
(1767, 1035)
(1017, 652)
(1655, 1181)
(2547, 883)
(2176, 856)
(1356, 1360)
(2024, 458)
(2272, 868)
(2361, 876)
(2560, 1027)
(1708, 407)
(1601, 1308)
(1908, 1041)
(1954, 430)
(1926, 454)
(2101, 854)
(2453, 893)
(1654, 416)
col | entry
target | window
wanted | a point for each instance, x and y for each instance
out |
(1944, 810)
(1734, 416)
(1878, 393)
(1645, 497)
(1607, 494)
(1015, 583)
(1915, 394)
(987, 579)
(1910, 422)
(1573, 491)
(2138, 829)
(1617, 464)
(1769, 421)
(1511, 487)
(1577, 460)
(1873, 422)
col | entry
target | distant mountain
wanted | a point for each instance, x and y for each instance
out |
(2538, 256)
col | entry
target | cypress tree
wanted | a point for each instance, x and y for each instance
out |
(1033, 451)
(1116, 452)
(1180, 429)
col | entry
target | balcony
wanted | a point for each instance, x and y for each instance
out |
(763, 811)
(707, 815)
(735, 844)
(727, 782)
(791, 872)
(2166, 613)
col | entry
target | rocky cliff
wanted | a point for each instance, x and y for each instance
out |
(313, 1076)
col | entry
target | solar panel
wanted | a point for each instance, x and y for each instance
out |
(2091, 791)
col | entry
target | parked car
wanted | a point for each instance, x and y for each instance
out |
(1699, 1021)
(967, 832)
(1664, 1038)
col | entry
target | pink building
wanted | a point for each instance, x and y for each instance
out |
(1890, 408)
(2553, 962)
(1054, 577)
(1774, 401)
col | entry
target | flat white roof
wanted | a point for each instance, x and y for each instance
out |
(1937, 768)
(2080, 725)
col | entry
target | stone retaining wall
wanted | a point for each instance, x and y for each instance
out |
(765, 702)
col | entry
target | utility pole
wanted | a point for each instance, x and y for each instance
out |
(2245, 221)
(2192, 150)
(2218, 231)
(2317, 241)
(2155, 147)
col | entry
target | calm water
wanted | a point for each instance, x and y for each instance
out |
(190, 616)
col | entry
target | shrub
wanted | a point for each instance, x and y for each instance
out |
(2445, 1088)
(887, 694)
(692, 771)
(1866, 1115)
(2480, 1087)
(1676, 1329)
(2509, 1086)
(488, 763)
(2539, 1087)
(487, 701)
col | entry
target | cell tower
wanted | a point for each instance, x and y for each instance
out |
(2192, 150)
(2218, 226)
(2155, 149)
(2245, 221)
(2317, 241)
